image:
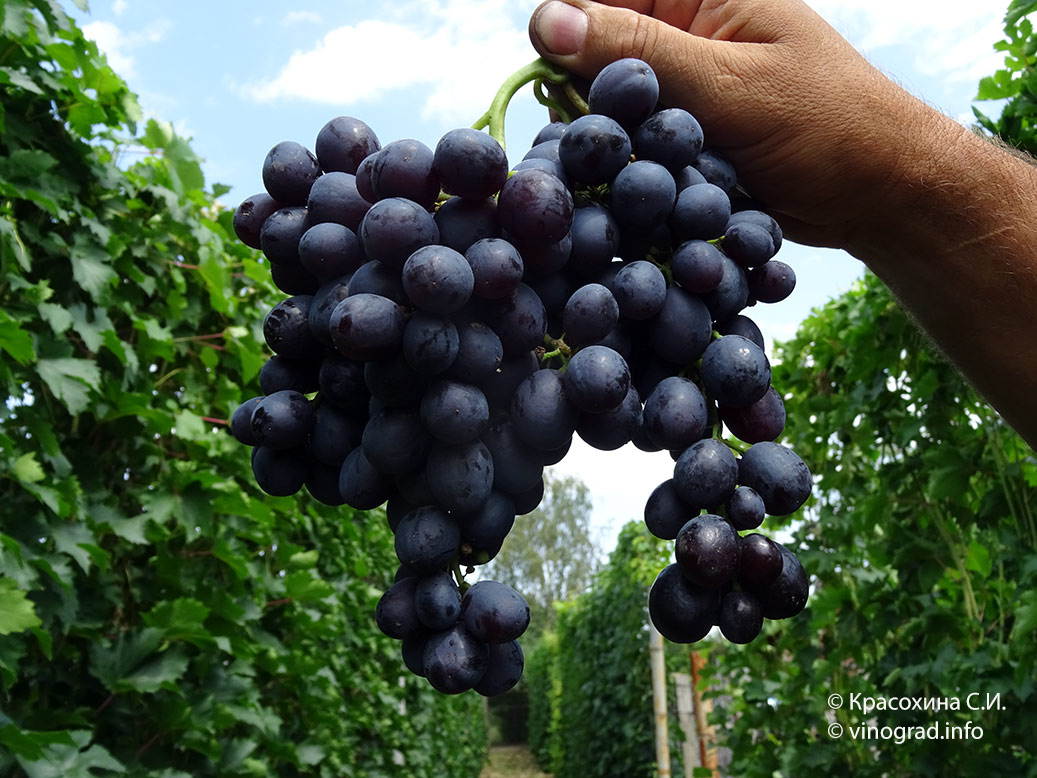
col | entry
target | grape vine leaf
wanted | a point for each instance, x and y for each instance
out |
(16, 610)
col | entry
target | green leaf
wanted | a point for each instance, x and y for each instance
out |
(26, 165)
(302, 585)
(180, 619)
(11, 243)
(57, 316)
(90, 267)
(70, 380)
(16, 341)
(1025, 617)
(978, 559)
(76, 761)
(27, 470)
(17, 613)
(72, 539)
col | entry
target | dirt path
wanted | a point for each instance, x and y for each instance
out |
(511, 762)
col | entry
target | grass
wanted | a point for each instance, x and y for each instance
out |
(511, 762)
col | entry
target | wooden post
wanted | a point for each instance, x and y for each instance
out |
(707, 735)
(662, 732)
(686, 717)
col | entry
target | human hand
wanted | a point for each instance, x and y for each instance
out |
(815, 132)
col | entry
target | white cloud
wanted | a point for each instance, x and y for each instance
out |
(460, 50)
(117, 44)
(119, 7)
(298, 17)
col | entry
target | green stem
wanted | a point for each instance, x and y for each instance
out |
(575, 98)
(539, 69)
(548, 102)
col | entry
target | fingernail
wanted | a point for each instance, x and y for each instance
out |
(561, 27)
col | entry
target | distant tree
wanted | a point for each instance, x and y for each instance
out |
(550, 555)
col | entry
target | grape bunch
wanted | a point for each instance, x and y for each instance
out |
(453, 321)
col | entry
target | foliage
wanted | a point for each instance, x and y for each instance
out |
(1016, 82)
(550, 554)
(922, 545)
(158, 614)
(590, 684)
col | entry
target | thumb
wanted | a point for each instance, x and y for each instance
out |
(583, 37)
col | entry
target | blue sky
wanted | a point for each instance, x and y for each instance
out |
(239, 77)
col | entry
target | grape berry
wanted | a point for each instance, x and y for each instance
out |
(451, 326)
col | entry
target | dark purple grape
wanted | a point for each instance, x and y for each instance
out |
(684, 313)
(293, 279)
(520, 320)
(642, 195)
(335, 433)
(761, 561)
(367, 327)
(280, 373)
(640, 290)
(330, 250)
(362, 487)
(735, 371)
(744, 326)
(470, 163)
(454, 412)
(503, 670)
(741, 617)
(516, 465)
(682, 611)
(322, 483)
(494, 612)
(479, 353)
(394, 441)
(286, 329)
(461, 476)
(342, 383)
(529, 500)
(731, 295)
(772, 282)
(675, 414)
(403, 168)
(454, 660)
(672, 137)
(593, 149)
(717, 170)
(241, 422)
(427, 539)
(614, 428)
(666, 512)
(437, 601)
(625, 90)
(395, 613)
(707, 551)
(748, 244)
(537, 206)
(463, 222)
(705, 474)
(280, 472)
(745, 509)
(484, 530)
(595, 239)
(335, 199)
(764, 220)
(289, 171)
(497, 268)
(552, 131)
(698, 266)
(250, 216)
(280, 235)
(700, 213)
(329, 295)
(542, 414)
(786, 595)
(688, 176)
(374, 277)
(343, 143)
(778, 475)
(596, 379)
(413, 651)
(437, 279)
(394, 229)
(589, 315)
(282, 420)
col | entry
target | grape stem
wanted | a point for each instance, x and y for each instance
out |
(537, 70)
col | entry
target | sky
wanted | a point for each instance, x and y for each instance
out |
(237, 78)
